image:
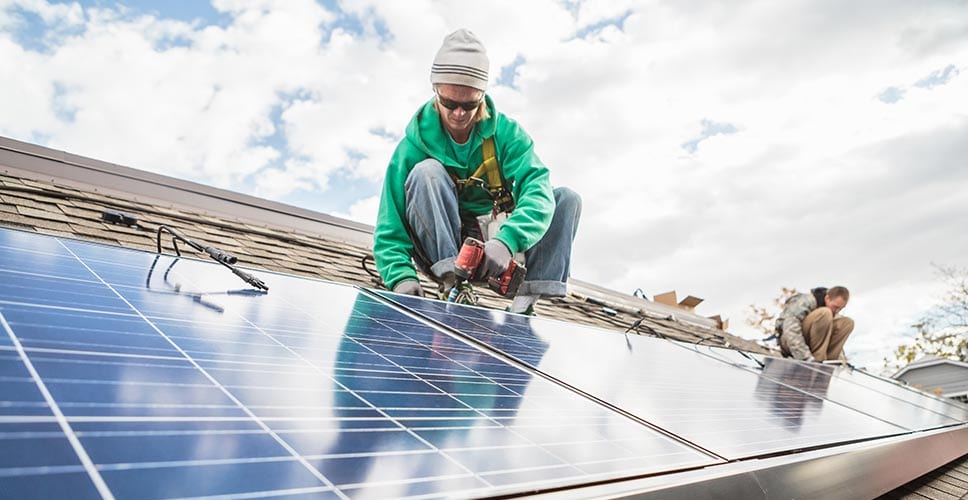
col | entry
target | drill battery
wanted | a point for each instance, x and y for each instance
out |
(469, 261)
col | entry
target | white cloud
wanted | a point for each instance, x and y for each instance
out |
(821, 183)
(274, 184)
(60, 14)
(167, 96)
(363, 211)
(883, 317)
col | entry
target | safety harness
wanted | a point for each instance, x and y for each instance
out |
(488, 177)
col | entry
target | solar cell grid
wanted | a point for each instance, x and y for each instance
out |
(20, 394)
(857, 389)
(68, 330)
(181, 384)
(836, 384)
(74, 293)
(730, 411)
(894, 389)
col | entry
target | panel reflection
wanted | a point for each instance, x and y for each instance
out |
(723, 408)
(840, 384)
(791, 405)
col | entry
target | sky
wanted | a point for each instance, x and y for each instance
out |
(722, 149)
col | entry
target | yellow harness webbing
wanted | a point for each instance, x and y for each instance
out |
(488, 176)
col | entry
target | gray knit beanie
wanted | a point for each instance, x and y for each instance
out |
(461, 60)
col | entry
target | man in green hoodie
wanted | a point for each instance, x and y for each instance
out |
(429, 204)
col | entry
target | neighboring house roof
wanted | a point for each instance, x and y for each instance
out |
(947, 377)
(61, 194)
(926, 361)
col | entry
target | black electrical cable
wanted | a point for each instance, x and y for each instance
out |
(374, 276)
(729, 346)
(219, 256)
(702, 339)
(197, 297)
(638, 323)
(634, 325)
(628, 343)
(748, 356)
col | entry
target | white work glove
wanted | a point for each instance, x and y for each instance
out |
(497, 258)
(409, 287)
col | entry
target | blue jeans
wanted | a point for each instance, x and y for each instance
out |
(435, 224)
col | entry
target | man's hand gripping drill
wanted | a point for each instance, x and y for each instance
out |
(489, 261)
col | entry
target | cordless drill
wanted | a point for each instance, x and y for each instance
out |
(469, 259)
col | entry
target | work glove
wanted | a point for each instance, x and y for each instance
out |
(409, 287)
(497, 258)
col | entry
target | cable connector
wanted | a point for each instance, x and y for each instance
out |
(226, 259)
(223, 257)
(251, 280)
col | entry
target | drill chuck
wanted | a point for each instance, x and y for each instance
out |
(469, 260)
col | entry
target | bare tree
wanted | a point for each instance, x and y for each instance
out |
(942, 331)
(763, 318)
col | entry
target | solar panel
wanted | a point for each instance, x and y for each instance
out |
(127, 374)
(857, 389)
(836, 384)
(895, 390)
(725, 409)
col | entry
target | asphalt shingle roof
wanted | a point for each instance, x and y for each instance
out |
(62, 210)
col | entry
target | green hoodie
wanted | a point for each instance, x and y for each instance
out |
(526, 176)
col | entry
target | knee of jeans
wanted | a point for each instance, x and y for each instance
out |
(844, 323)
(825, 313)
(568, 200)
(427, 172)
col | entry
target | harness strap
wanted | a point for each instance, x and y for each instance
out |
(488, 176)
(489, 168)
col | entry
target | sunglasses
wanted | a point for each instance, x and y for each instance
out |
(452, 105)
